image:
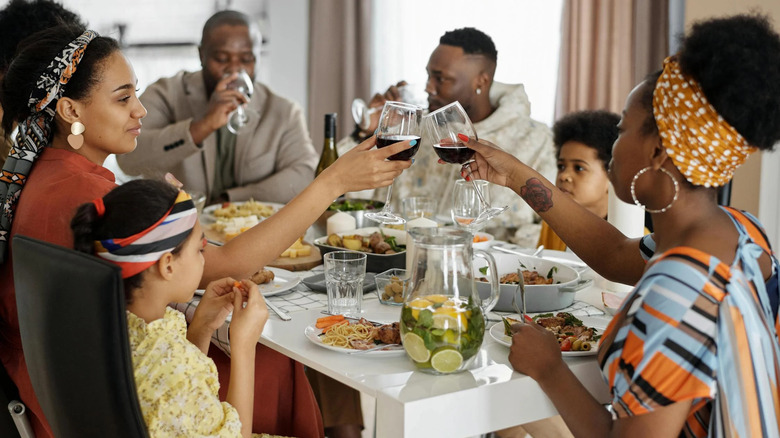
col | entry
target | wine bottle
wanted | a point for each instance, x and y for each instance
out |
(329, 153)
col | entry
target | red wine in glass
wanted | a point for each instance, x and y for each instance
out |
(392, 139)
(456, 153)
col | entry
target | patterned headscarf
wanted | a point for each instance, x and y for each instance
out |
(137, 252)
(34, 132)
(703, 146)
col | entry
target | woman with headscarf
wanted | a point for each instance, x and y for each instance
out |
(693, 350)
(74, 95)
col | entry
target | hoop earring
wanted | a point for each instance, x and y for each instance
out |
(75, 139)
(639, 204)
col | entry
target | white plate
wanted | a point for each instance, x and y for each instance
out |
(497, 333)
(284, 280)
(313, 334)
(207, 216)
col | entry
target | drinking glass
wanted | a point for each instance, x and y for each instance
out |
(238, 118)
(410, 93)
(344, 275)
(466, 205)
(443, 127)
(399, 122)
(419, 206)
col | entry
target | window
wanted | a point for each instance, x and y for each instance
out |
(526, 34)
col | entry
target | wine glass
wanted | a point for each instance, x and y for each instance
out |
(399, 122)
(410, 93)
(466, 204)
(238, 118)
(443, 127)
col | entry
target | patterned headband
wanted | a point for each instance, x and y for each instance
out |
(137, 252)
(703, 146)
(34, 132)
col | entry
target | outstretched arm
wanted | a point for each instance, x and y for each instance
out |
(605, 249)
(361, 168)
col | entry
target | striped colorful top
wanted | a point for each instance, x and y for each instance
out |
(697, 329)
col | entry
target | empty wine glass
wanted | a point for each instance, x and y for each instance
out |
(410, 93)
(398, 122)
(443, 127)
(238, 117)
(466, 204)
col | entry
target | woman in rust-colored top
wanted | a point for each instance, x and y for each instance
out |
(86, 109)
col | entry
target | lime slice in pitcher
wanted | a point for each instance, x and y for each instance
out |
(446, 361)
(415, 348)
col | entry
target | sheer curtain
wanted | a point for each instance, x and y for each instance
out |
(338, 62)
(607, 47)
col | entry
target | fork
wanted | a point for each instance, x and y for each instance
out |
(378, 347)
(520, 308)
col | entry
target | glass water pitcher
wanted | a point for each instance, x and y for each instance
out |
(442, 319)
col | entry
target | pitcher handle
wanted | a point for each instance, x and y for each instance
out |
(495, 290)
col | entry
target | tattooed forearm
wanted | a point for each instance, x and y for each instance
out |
(537, 195)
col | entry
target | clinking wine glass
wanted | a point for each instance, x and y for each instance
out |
(399, 122)
(443, 127)
(238, 117)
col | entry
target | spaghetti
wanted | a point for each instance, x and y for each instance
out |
(343, 335)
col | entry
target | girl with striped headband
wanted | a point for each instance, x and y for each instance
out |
(151, 230)
(694, 349)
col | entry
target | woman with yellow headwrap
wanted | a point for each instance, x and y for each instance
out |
(694, 349)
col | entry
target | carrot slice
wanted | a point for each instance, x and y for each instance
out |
(328, 320)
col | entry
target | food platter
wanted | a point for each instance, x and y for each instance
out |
(374, 262)
(497, 333)
(312, 334)
(208, 217)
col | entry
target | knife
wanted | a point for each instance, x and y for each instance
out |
(278, 311)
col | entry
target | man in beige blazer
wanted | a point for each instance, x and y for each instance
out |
(270, 159)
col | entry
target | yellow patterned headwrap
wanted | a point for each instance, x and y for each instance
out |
(703, 146)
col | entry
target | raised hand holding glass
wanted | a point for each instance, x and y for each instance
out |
(399, 122)
(443, 126)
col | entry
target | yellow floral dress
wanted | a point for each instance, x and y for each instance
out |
(177, 384)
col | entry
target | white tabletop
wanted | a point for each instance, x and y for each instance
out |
(486, 397)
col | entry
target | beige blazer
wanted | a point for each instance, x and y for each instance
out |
(274, 156)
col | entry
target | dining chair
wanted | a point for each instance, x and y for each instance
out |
(13, 422)
(73, 325)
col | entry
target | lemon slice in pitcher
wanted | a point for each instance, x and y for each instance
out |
(446, 361)
(415, 348)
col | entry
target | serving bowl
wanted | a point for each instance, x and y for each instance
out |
(485, 240)
(391, 286)
(374, 262)
(538, 297)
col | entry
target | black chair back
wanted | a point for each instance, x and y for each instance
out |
(74, 334)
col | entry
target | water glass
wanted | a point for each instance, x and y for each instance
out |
(466, 205)
(344, 274)
(419, 206)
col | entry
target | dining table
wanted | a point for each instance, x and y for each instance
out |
(489, 395)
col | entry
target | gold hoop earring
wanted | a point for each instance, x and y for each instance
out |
(639, 204)
(75, 139)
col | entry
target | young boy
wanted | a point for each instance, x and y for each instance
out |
(583, 145)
